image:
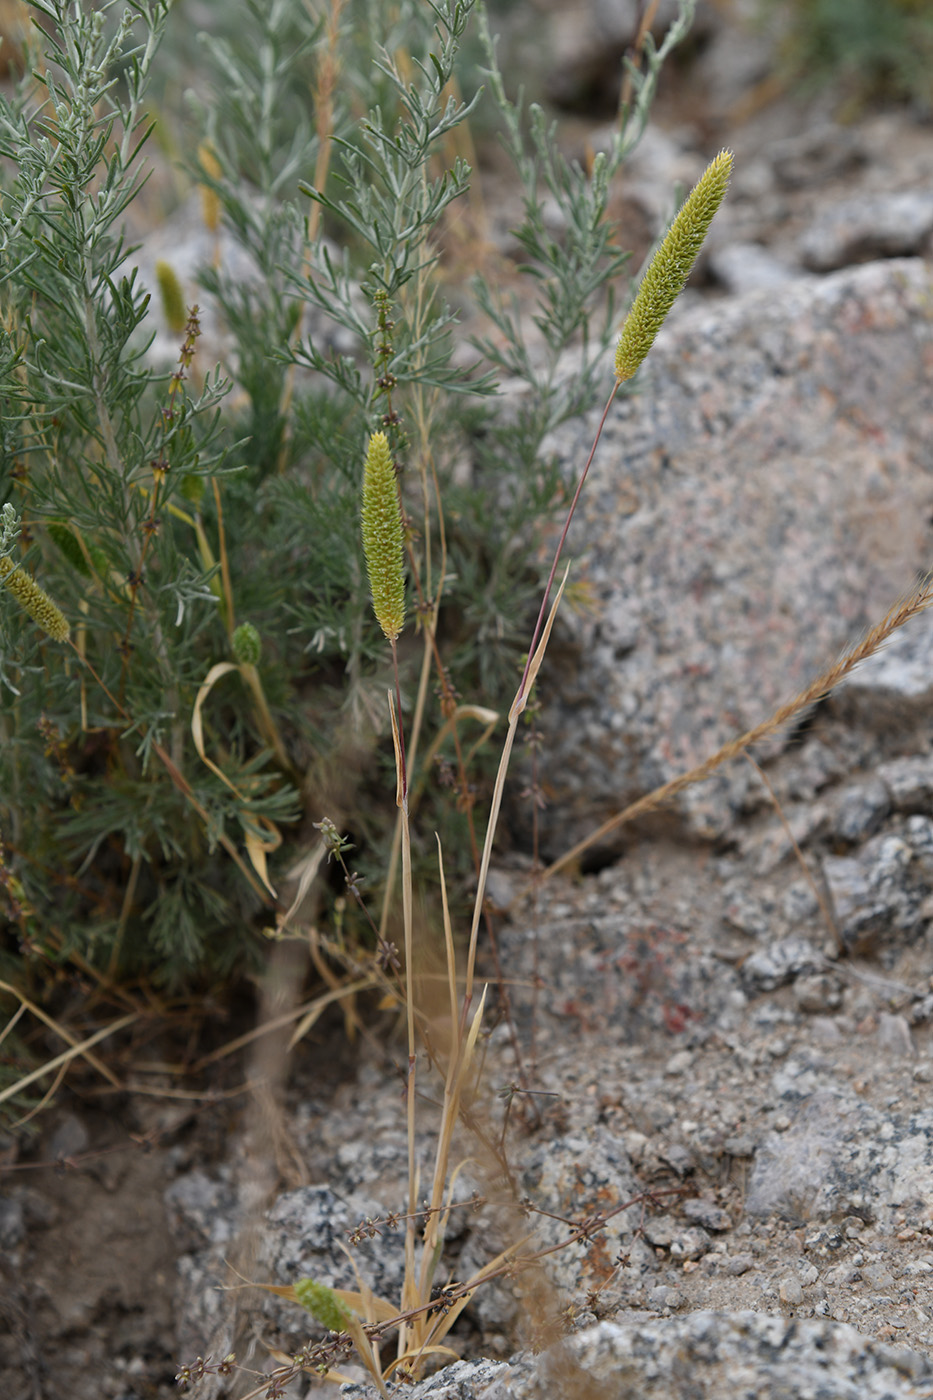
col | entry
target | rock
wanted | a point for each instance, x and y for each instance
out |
(817, 994)
(747, 912)
(660, 1231)
(861, 810)
(678, 1158)
(707, 1214)
(909, 781)
(841, 1157)
(748, 267)
(721, 592)
(894, 1036)
(921, 1011)
(734, 58)
(680, 1061)
(573, 1177)
(822, 152)
(690, 1244)
(12, 1222)
(308, 1233)
(869, 226)
(772, 967)
(881, 891)
(693, 1356)
(770, 848)
(201, 1210)
(588, 45)
(740, 1145)
(893, 688)
(69, 1138)
(790, 1292)
(879, 1276)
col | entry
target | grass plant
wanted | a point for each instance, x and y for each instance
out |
(221, 689)
(190, 679)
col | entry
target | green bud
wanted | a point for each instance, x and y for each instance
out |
(99, 559)
(670, 267)
(192, 488)
(33, 600)
(65, 542)
(247, 645)
(383, 537)
(323, 1304)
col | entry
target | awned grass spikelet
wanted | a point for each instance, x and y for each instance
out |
(35, 601)
(383, 538)
(671, 266)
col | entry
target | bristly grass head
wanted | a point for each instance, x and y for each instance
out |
(671, 266)
(383, 537)
(35, 601)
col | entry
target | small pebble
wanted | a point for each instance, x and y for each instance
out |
(678, 1157)
(690, 1244)
(740, 1146)
(705, 1213)
(660, 1231)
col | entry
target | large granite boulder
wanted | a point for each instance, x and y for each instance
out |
(762, 498)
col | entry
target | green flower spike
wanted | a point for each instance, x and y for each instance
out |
(323, 1304)
(383, 538)
(173, 298)
(670, 267)
(33, 600)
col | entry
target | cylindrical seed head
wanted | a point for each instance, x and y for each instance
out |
(383, 537)
(35, 601)
(670, 267)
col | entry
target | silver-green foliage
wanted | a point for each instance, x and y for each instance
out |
(167, 512)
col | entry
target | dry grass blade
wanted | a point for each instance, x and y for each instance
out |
(518, 705)
(58, 1028)
(818, 689)
(309, 1011)
(67, 1055)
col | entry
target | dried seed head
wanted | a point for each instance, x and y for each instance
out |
(670, 267)
(33, 600)
(383, 537)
